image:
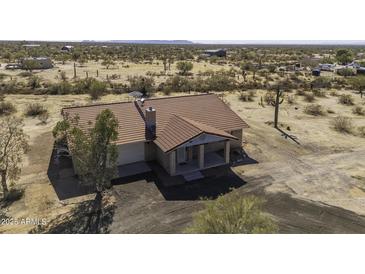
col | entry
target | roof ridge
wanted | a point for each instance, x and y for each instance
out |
(187, 120)
(146, 99)
(204, 124)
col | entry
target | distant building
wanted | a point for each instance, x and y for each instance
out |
(37, 63)
(216, 52)
(31, 45)
(360, 70)
(327, 67)
(67, 48)
(13, 66)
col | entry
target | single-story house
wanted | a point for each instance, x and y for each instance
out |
(36, 62)
(216, 52)
(183, 134)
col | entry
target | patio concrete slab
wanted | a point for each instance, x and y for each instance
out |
(133, 169)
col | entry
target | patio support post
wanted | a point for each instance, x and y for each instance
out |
(201, 156)
(227, 149)
(190, 154)
(172, 165)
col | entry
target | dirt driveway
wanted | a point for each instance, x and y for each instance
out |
(143, 206)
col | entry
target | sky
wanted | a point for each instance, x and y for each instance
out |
(199, 20)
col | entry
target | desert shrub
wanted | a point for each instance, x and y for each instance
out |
(334, 93)
(177, 84)
(34, 82)
(247, 96)
(300, 92)
(339, 83)
(314, 109)
(63, 76)
(60, 88)
(184, 67)
(146, 85)
(221, 83)
(10, 86)
(43, 117)
(346, 99)
(3, 75)
(25, 74)
(291, 99)
(346, 72)
(269, 98)
(34, 109)
(359, 110)
(319, 93)
(343, 124)
(330, 111)
(250, 85)
(321, 82)
(233, 213)
(309, 97)
(91, 86)
(97, 89)
(361, 131)
(14, 195)
(6, 108)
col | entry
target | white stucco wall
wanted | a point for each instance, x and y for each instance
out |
(130, 153)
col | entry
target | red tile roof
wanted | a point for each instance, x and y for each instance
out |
(206, 110)
(180, 130)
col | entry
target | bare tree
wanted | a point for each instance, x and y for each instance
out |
(13, 144)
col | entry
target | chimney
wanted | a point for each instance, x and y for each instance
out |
(150, 118)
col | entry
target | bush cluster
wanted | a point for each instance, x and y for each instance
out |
(34, 109)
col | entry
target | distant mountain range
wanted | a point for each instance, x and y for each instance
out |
(233, 42)
(158, 42)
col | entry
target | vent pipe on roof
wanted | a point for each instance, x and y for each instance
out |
(150, 120)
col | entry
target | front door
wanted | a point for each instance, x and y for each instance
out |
(181, 155)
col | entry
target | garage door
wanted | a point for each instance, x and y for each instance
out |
(130, 153)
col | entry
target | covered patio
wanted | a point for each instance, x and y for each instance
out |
(183, 164)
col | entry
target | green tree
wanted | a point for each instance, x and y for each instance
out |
(233, 213)
(13, 144)
(29, 64)
(184, 67)
(93, 151)
(107, 63)
(344, 56)
(146, 85)
(358, 83)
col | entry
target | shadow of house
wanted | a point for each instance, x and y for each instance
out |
(216, 181)
(63, 179)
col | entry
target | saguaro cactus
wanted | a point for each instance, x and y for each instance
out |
(75, 70)
(279, 100)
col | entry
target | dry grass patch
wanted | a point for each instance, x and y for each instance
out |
(361, 131)
(346, 99)
(34, 109)
(247, 96)
(6, 108)
(314, 109)
(334, 93)
(358, 110)
(291, 99)
(319, 93)
(309, 97)
(343, 124)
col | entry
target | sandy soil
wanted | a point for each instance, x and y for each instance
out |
(327, 167)
(122, 69)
